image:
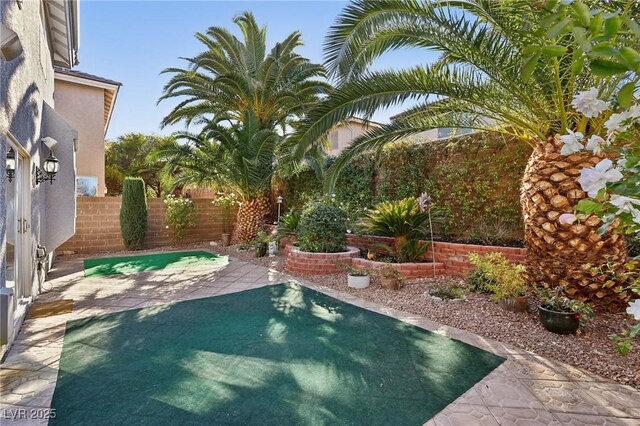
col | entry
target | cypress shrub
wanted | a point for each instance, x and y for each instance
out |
(133, 213)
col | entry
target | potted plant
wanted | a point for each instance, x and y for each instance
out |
(559, 314)
(504, 280)
(226, 202)
(261, 243)
(390, 277)
(357, 276)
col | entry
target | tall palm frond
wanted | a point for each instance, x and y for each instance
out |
(476, 82)
(233, 75)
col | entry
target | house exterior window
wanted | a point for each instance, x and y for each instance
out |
(87, 186)
(448, 132)
(334, 139)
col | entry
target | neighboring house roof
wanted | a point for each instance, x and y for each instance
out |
(362, 121)
(110, 87)
(62, 19)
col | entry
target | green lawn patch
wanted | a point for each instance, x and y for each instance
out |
(277, 355)
(150, 262)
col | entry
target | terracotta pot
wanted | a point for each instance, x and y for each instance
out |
(226, 240)
(515, 304)
(391, 283)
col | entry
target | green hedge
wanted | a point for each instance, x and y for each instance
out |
(133, 213)
(474, 181)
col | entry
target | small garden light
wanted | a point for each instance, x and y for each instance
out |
(11, 164)
(279, 199)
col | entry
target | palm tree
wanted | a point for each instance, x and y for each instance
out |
(240, 83)
(239, 158)
(480, 81)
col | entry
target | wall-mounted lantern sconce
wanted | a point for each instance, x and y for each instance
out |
(11, 164)
(51, 165)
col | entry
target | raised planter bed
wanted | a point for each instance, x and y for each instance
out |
(408, 270)
(306, 263)
(454, 256)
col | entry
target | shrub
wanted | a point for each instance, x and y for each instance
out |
(498, 275)
(480, 281)
(133, 213)
(180, 215)
(447, 291)
(322, 229)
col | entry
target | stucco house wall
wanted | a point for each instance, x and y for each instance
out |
(47, 36)
(344, 133)
(26, 85)
(82, 106)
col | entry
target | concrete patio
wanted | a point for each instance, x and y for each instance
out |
(525, 390)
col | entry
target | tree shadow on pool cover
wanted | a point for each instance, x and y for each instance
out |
(276, 355)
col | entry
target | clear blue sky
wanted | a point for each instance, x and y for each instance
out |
(133, 41)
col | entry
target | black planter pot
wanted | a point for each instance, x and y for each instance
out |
(559, 322)
(261, 249)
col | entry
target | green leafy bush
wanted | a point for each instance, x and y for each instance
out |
(474, 181)
(480, 282)
(227, 202)
(498, 276)
(133, 213)
(322, 229)
(447, 291)
(180, 215)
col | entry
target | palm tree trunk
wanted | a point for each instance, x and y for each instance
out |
(251, 215)
(561, 254)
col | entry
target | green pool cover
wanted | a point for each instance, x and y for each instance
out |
(277, 355)
(150, 262)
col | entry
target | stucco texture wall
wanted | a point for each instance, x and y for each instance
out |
(83, 107)
(26, 84)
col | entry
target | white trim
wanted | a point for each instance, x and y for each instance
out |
(85, 81)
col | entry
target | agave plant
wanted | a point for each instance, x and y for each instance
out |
(501, 68)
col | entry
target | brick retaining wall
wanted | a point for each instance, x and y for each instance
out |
(305, 263)
(408, 270)
(453, 256)
(98, 225)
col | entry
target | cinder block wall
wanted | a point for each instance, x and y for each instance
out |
(98, 225)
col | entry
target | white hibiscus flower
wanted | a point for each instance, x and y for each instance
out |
(594, 144)
(571, 143)
(618, 122)
(593, 179)
(626, 205)
(634, 309)
(587, 103)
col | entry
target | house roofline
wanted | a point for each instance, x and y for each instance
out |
(110, 87)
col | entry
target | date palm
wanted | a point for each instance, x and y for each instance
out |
(479, 81)
(241, 83)
(239, 158)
